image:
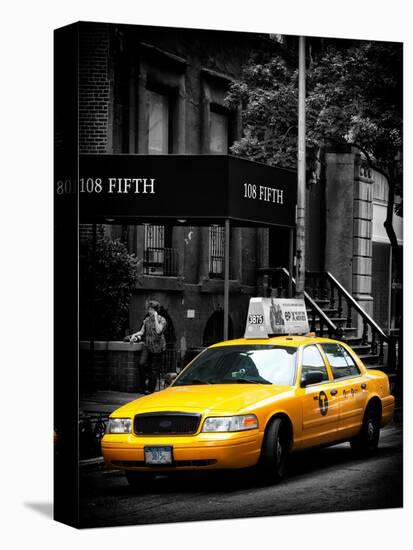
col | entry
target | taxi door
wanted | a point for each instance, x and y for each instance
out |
(319, 401)
(351, 388)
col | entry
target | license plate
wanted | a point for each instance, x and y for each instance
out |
(158, 455)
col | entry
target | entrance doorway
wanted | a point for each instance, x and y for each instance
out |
(278, 247)
(215, 328)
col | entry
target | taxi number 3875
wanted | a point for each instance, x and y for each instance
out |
(257, 319)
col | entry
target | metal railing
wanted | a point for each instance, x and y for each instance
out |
(324, 286)
(279, 283)
(92, 427)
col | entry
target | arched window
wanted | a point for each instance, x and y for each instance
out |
(170, 335)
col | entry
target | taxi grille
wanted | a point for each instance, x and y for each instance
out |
(173, 423)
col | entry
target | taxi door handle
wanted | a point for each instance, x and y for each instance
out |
(333, 392)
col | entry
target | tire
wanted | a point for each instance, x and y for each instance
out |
(367, 441)
(274, 452)
(139, 480)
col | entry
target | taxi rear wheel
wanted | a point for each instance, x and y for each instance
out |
(274, 451)
(367, 441)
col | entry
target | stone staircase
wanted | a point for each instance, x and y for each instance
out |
(348, 334)
(332, 312)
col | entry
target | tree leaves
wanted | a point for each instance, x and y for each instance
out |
(107, 281)
(354, 95)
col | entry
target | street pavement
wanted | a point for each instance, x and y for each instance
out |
(323, 480)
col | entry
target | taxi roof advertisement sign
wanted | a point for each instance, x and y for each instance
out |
(270, 316)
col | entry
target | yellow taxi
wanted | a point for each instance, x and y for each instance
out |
(251, 402)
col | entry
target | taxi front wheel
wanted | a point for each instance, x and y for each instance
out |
(274, 452)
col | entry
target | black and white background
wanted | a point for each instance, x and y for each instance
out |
(27, 282)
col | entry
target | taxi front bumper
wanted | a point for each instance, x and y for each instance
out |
(203, 451)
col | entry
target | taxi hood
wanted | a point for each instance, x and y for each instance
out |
(204, 398)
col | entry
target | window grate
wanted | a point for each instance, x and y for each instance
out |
(159, 259)
(216, 251)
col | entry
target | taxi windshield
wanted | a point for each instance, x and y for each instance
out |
(248, 364)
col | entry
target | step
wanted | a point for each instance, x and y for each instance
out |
(370, 358)
(352, 340)
(362, 349)
(330, 312)
(338, 319)
(335, 320)
(348, 329)
(346, 336)
(321, 301)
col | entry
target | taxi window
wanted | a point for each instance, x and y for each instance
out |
(341, 362)
(313, 361)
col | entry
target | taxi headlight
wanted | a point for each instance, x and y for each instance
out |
(230, 423)
(119, 426)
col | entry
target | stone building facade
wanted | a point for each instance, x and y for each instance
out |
(152, 90)
(162, 91)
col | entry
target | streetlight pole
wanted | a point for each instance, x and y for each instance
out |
(300, 239)
(226, 279)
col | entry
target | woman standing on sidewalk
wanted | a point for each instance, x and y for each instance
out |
(150, 361)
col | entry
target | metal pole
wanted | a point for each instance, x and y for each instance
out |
(389, 303)
(291, 264)
(300, 273)
(226, 279)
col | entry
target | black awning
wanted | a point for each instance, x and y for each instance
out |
(191, 189)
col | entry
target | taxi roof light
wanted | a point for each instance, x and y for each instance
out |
(276, 316)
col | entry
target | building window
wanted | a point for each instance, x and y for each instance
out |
(218, 145)
(158, 123)
(216, 251)
(159, 256)
(218, 133)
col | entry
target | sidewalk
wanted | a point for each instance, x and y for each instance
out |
(102, 403)
(105, 402)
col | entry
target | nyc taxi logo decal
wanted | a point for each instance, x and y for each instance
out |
(323, 403)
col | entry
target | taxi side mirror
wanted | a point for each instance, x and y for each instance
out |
(312, 377)
(169, 378)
